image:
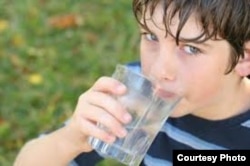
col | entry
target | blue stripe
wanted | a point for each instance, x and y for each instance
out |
(73, 163)
(151, 161)
(246, 124)
(135, 67)
(188, 139)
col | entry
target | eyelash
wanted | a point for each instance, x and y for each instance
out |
(192, 50)
(149, 36)
(152, 37)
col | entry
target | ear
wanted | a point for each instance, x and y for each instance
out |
(243, 66)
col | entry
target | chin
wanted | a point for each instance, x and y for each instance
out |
(180, 110)
(177, 115)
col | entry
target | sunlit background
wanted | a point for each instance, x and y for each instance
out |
(50, 52)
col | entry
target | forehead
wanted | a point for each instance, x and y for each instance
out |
(163, 20)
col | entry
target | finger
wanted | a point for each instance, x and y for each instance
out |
(110, 104)
(108, 122)
(91, 129)
(109, 85)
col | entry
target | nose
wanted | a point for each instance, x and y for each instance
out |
(164, 67)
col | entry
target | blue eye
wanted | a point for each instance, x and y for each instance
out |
(150, 36)
(191, 50)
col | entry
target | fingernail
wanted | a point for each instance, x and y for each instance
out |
(127, 118)
(121, 87)
(111, 139)
(122, 133)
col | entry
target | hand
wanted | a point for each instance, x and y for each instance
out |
(98, 106)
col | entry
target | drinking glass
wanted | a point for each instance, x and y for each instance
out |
(149, 113)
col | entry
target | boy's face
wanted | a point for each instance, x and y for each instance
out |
(194, 71)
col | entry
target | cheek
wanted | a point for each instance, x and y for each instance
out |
(202, 87)
(147, 59)
(145, 63)
(198, 93)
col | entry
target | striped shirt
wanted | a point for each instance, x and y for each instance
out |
(188, 132)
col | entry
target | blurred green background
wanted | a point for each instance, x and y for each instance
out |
(51, 52)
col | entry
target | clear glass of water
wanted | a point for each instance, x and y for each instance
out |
(149, 113)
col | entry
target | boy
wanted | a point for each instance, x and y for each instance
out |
(201, 50)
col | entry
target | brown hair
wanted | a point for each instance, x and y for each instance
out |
(220, 19)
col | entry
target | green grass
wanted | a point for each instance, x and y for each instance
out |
(43, 69)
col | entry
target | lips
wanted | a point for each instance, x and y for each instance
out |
(165, 94)
(164, 91)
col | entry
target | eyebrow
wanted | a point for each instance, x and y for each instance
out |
(196, 42)
(204, 44)
(183, 40)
